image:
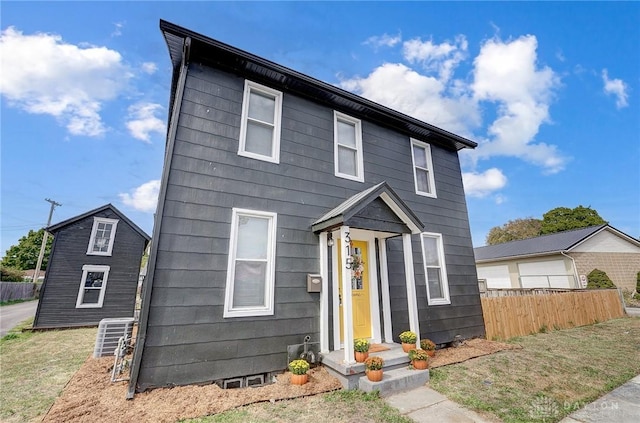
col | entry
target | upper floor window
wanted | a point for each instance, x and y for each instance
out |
(103, 234)
(423, 168)
(260, 126)
(348, 147)
(251, 267)
(93, 286)
(434, 269)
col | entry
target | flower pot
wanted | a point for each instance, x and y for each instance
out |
(407, 347)
(374, 375)
(420, 364)
(361, 356)
(299, 379)
(431, 353)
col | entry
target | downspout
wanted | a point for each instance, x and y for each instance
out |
(151, 265)
(576, 277)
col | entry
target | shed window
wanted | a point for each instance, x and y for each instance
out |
(103, 234)
(92, 286)
(423, 168)
(434, 269)
(348, 157)
(251, 267)
(260, 126)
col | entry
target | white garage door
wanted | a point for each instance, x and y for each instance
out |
(496, 276)
(545, 274)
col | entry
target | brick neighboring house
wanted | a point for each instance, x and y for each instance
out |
(561, 260)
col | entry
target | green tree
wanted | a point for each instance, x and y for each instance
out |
(24, 256)
(597, 279)
(563, 219)
(514, 230)
(9, 274)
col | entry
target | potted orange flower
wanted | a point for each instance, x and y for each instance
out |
(429, 346)
(419, 359)
(373, 368)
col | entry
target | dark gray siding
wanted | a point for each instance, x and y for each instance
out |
(57, 305)
(187, 340)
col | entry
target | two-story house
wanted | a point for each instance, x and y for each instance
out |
(289, 207)
(93, 270)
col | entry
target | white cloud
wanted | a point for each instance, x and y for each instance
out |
(421, 96)
(441, 58)
(506, 73)
(384, 40)
(617, 87)
(142, 120)
(482, 184)
(144, 198)
(45, 75)
(118, 29)
(149, 68)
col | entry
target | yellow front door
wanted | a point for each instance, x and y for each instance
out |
(359, 290)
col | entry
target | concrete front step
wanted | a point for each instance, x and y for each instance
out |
(395, 380)
(398, 376)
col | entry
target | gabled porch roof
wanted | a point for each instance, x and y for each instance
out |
(346, 212)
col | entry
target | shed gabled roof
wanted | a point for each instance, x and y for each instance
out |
(350, 207)
(546, 244)
(58, 226)
(223, 56)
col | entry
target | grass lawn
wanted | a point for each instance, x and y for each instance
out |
(337, 406)
(553, 374)
(36, 366)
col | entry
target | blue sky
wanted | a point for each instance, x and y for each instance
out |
(550, 91)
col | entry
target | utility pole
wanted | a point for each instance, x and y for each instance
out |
(44, 240)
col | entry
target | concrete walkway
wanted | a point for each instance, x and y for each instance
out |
(423, 405)
(622, 405)
(632, 311)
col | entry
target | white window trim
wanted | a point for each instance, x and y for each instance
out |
(94, 230)
(268, 309)
(275, 151)
(443, 270)
(103, 289)
(432, 182)
(337, 116)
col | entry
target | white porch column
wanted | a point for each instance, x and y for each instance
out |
(324, 295)
(347, 306)
(384, 286)
(414, 326)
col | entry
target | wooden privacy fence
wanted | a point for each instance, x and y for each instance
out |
(506, 317)
(16, 291)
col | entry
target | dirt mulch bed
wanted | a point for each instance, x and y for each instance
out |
(90, 396)
(467, 350)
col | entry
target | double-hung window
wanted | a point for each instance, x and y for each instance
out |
(103, 234)
(251, 267)
(423, 168)
(348, 147)
(435, 269)
(93, 286)
(260, 126)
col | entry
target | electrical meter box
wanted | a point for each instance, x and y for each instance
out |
(314, 283)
